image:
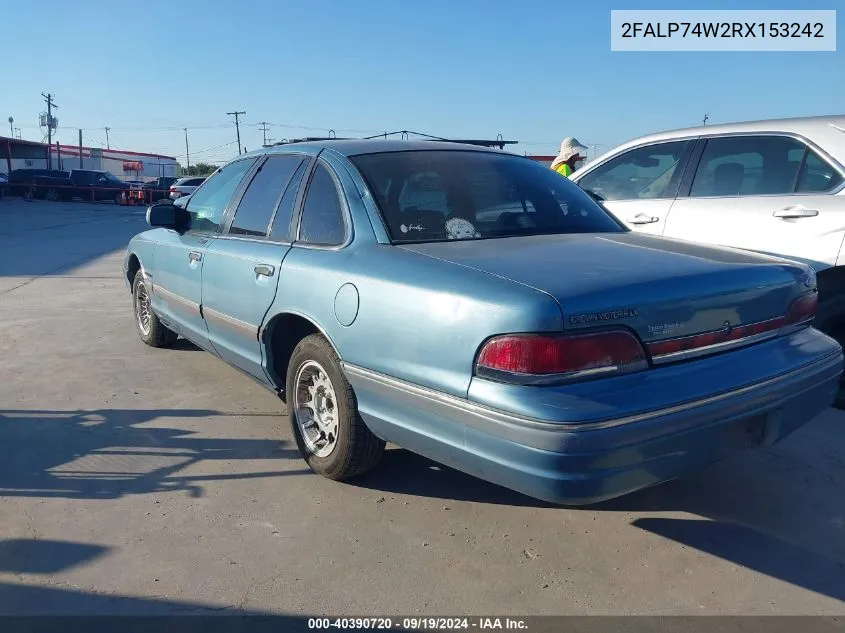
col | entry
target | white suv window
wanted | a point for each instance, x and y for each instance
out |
(817, 176)
(748, 166)
(639, 174)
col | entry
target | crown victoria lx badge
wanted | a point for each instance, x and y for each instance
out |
(610, 315)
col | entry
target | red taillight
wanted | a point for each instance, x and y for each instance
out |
(802, 309)
(172, 188)
(688, 343)
(544, 355)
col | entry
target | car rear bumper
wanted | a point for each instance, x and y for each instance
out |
(578, 463)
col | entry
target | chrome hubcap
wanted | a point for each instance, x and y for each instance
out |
(142, 309)
(315, 407)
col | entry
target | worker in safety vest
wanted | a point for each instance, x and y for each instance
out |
(571, 153)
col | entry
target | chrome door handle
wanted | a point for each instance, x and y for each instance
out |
(642, 218)
(795, 212)
(194, 256)
(264, 269)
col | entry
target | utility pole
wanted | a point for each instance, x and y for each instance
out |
(80, 149)
(50, 105)
(704, 122)
(237, 127)
(264, 129)
(108, 146)
(12, 125)
(187, 153)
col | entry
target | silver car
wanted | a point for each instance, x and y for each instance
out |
(185, 186)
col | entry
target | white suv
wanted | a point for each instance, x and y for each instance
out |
(776, 187)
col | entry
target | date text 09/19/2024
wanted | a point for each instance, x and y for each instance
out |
(418, 623)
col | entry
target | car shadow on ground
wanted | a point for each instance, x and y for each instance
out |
(44, 238)
(778, 511)
(109, 453)
(115, 612)
(183, 344)
(43, 556)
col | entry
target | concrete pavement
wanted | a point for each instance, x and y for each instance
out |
(135, 480)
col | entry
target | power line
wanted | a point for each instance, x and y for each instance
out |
(316, 129)
(210, 149)
(237, 126)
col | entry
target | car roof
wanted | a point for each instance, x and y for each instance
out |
(355, 147)
(829, 127)
(797, 125)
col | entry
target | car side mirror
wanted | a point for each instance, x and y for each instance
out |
(168, 216)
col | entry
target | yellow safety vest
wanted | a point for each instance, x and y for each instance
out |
(564, 169)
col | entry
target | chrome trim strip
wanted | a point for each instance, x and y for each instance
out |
(178, 300)
(712, 349)
(557, 379)
(470, 412)
(230, 321)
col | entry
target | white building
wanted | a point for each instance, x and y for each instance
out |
(126, 165)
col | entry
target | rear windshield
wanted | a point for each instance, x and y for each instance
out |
(434, 196)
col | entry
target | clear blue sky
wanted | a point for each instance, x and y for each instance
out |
(534, 71)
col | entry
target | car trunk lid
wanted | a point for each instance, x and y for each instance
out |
(660, 288)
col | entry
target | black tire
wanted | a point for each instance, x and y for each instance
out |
(830, 319)
(158, 335)
(117, 198)
(52, 195)
(356, 449)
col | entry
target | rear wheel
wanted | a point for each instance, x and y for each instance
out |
(323, 410)
(52, 194)
(150, 329)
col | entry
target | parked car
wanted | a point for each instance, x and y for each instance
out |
(87, 184)
(546, 348)
(22, 180)
(4, 185)
(185, 186)
(775, 187)
(159, 189)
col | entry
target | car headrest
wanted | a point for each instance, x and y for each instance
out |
(728, 178)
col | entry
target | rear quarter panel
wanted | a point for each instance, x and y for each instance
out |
(415, 318)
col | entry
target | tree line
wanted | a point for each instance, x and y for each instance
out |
(199, 169)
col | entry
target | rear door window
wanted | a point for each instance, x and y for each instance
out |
(256, 208)
(284, 212)
(644, 173)
(751, 165)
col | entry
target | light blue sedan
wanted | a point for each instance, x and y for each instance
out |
(474, 307)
